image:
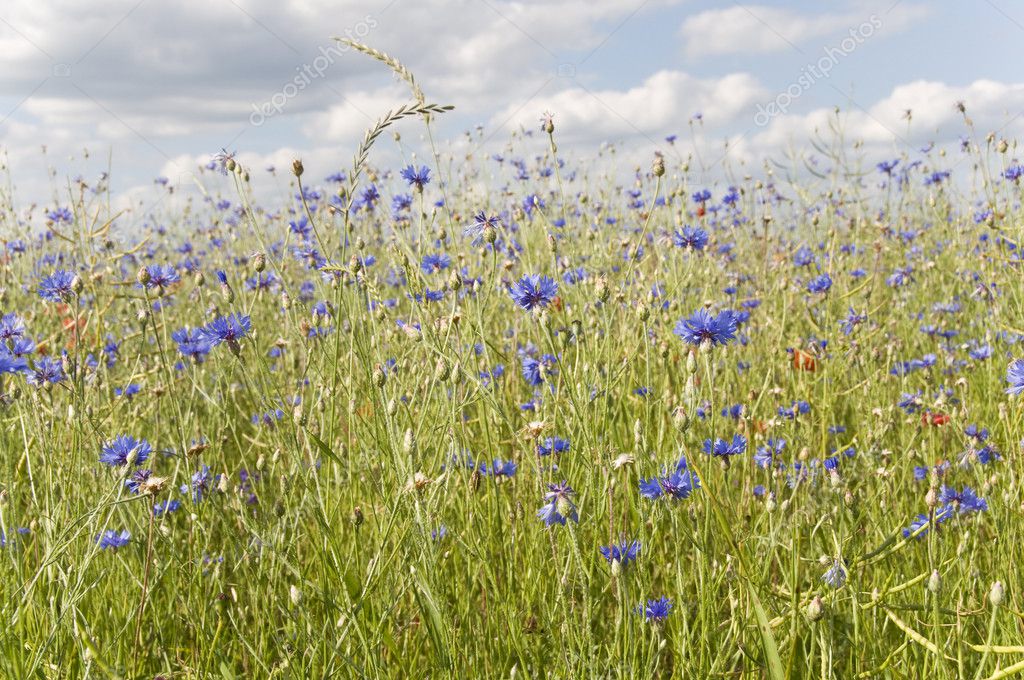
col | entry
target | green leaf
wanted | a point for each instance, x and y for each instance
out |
(323, 447)
(432, 617)
(771, 648)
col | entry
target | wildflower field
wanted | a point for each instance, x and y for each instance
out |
(519, 415)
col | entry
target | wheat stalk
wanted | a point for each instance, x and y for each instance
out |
(400, 70)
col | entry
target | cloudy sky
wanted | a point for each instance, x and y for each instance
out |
(154, 88)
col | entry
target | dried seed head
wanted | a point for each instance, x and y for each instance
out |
(815, 609)
(995, 594)
(418, 482)
(152, 485)
(658, 166)
(623, 460)
(547, 123)
(534, 428)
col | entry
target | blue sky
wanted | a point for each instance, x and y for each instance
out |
(158, 87)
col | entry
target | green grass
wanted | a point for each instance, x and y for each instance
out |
(333, 570)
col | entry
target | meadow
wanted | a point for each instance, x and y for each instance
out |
(520, 415)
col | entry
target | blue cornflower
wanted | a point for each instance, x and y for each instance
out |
(267, 418)
(229, 329)
(678, 485)
(500, 468)
(367, 199)
(820, 284)
(531, 202)
(836, 575)
(112, 539)
(623, 553)
(536, 370)
(534, 290)
(571, 276)
(795, 409)
(767, 453)
(852, 320)
(60, 216)
(987, 454)
(416, 178)
(401, 203)
(901, 276)
(161, 276)
(124, 448)
(201, 484)
(57, 286)
(916, 528)
(481, 222)
(1015, 376)
(974, 432)
(559, 506)
(10, 363)
(656, 611)
(262, 282)
(166, 507)
(981, 352)
(192, 343)
(650, 488)
(702, 196)
(552, 445)
(23, 347)
(964, 501)
(703, 329)
(129, 391)
(910, 403)
(803, 257)
(887, 166)
(1014, 172)
(46, 371)
(137, 479)
(735, 411)
(690, 237)
(301, 228)
(434, 263)
(11, 327)
(722, 448)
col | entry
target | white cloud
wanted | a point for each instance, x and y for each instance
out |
(161, 85)
(992, 107)
(755, 29)
(659, 105)
(348, 121)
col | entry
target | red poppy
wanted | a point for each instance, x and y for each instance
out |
(802, 361)
(934, 419)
